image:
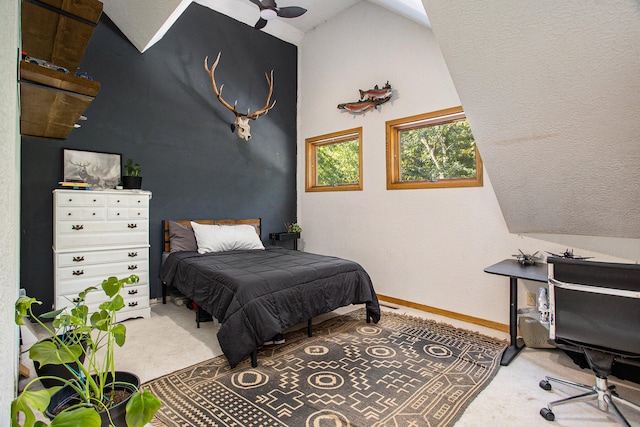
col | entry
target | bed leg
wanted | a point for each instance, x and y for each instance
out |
(164, 292)
(254, 359)
(198, 317)
(309, 329)
(368, 317)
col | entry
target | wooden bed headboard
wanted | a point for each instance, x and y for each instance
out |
(255, 222)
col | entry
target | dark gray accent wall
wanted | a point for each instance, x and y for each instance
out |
(158, 108)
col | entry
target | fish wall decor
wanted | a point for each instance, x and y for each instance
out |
(369, 100)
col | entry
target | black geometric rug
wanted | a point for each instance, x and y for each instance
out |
(403, 371)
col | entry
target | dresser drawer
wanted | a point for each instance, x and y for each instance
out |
(127, 213)
(85, 257)
(135, 296)
(72, 287)
(70, 213)
(101, 271)
(135, 200)
(77, 198)
(93, 234)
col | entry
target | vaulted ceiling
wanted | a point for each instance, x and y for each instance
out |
(550, 88)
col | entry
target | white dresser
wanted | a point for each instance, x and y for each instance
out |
(97, 234)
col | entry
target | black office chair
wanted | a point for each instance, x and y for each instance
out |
(594, 310)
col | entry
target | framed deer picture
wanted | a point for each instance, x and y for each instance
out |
(99, 170)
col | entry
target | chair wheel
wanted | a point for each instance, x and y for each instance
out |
(545, 385)
(547, 414)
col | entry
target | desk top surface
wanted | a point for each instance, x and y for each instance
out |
(512, 268)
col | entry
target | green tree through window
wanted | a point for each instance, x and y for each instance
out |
(437, 152)
(338, 163)
(334, 161)
(435, 149)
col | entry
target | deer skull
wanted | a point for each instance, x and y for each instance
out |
(241, 122)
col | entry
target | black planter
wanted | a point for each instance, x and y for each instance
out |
(68, 395)
(59, 371)
(132, 182)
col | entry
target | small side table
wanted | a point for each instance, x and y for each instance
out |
(284, 236)
(514, 270)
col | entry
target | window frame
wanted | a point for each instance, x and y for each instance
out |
(393, 129)
(311, 159)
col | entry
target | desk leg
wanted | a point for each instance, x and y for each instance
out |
(515, 345)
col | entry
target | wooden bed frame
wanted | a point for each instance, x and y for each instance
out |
(255, 222)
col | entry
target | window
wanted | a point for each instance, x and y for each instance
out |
(432, 150)
(334, 161)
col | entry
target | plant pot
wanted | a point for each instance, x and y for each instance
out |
(67, 395)
(59, 371)
(132, 182)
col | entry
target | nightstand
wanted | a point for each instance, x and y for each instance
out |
(284, 236)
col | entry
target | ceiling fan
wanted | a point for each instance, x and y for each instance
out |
(269, 10)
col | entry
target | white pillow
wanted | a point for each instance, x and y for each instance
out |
(220, 238)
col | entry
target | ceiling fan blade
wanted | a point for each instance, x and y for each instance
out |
(291, 11)
(260, 24)
(257, 3)
(269, 4)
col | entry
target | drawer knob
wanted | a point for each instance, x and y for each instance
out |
(133, 304)
(133, 254)
(133, 267)
(76, 300)
(133, 292)
(132, 225)
(68, 213)
(77, 227)
(78, 272)
(78, 258)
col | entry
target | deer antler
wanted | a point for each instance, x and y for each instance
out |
(261, 112)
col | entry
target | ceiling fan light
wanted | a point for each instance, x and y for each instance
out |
(268, 14)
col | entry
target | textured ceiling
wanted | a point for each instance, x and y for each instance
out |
(552, 92)
(144, 22)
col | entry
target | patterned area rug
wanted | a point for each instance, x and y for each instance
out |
(403, 371)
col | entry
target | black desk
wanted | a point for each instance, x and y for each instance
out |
(514, 270)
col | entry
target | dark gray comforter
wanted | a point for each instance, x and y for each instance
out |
(260, 293)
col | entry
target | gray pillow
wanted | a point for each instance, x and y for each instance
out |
(181, 238)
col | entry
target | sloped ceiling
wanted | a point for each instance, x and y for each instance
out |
(552, 92)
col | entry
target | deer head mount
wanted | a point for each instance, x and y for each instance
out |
(241, 122)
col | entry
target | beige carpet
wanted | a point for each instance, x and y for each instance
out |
(402, 371)
(169, 341)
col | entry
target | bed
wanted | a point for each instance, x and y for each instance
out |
(257, 293)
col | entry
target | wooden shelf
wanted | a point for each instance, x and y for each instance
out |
(57, 31)
(51, 102)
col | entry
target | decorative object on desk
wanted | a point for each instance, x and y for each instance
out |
(369, 99)
(526, 259)
(418, 372)
(242, 119)
(96, 394)
(131, 179)
(569, 255)
(99, 170)
(293, 227)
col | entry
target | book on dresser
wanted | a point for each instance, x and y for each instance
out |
(97, 234)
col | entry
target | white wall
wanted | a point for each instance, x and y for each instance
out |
(9, 203)
(426, 246)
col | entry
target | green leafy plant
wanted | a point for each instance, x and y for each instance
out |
(94, 380)
(293, 228)
(131, 169)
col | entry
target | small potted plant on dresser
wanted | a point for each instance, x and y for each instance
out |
(93, 394)
(131, 178)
